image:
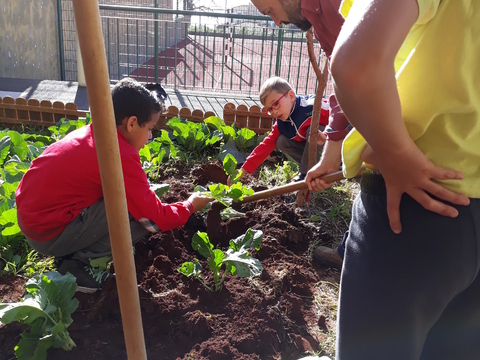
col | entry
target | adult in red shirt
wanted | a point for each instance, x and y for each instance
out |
(327, 22)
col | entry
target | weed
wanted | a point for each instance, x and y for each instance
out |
(280, 175)
(331, 209)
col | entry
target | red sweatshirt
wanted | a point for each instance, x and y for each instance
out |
(295, 129)
(66, 178)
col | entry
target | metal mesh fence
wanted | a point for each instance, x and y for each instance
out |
(196, 51)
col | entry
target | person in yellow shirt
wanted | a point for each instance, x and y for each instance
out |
(410, 285)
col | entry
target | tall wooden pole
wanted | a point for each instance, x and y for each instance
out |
(322, 77)
(87, 18)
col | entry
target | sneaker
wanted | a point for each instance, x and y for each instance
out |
(328, 256)
(88, 278)
(299, 177)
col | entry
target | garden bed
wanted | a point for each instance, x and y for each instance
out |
(285, 313)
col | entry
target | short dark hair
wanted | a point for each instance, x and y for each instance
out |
(274, 83)
(130, 98)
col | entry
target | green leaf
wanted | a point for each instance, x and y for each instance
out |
(214, 122)
(12, 230)
(160, 189)
(102, 263)
(215, 139)
(60, 289)
(201, 243)
(251, 239)
(161, 155)
(230, 213)
(200, 188)
(32, 347)
(190, 269)
(245, 139)
(245, 265)
(144, 154)
(218, 190)
(229, 164)
(8, 190)
(215, 261)
(15, 169)
(25, 312)
(9, 217)
(228, 133)
(5, 143)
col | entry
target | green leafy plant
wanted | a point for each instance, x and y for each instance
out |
(230, 167)
(229, 213)
(245, 139)
(226, 194)
(236, 259)
(156, 152)
(160, 189)
(64, 126)
(281, 175)
(17, 151)
(193, 137)
(47, 308)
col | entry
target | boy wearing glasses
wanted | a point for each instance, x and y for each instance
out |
(292, 128)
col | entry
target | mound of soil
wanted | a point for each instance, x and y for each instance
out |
(273, 316)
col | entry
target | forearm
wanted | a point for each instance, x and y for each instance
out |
(331, 156)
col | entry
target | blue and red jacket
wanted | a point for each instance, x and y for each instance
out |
(294, 128)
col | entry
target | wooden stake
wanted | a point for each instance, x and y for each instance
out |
(87, 18)
(317, 105)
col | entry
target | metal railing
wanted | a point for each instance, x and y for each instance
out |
(198, 51)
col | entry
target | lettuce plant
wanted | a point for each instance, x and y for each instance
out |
(47, 308)
(226, 194)
(245, 139)
(193, 137)
(230, 167)
(236, 259)
(63, 127)
(155, 152)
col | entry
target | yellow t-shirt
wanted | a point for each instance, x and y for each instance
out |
(438, 80)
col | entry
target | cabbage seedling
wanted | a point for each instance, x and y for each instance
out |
(236, 259)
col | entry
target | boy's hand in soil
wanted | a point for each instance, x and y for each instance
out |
(242, 173)
(199, 201)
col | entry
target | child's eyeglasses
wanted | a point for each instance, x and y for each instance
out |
(275, 105)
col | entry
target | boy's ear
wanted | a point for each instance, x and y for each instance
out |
(131, 122)
(291, 95)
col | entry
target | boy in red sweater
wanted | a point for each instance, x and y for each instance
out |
(292, 128)
(60, 202)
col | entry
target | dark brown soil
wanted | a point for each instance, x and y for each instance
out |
(273, 316)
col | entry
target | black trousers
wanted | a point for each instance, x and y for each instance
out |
(410, 296)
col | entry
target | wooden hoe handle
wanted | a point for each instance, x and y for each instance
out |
(284, 189)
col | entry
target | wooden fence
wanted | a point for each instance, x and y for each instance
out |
(241, 116)
(44, 113)
(35, 112)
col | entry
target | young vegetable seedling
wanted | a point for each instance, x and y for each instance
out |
(236, 259)
(47, 308)
(225, 194)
